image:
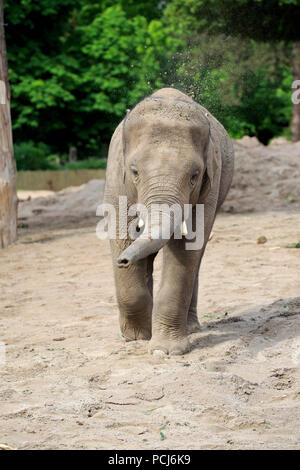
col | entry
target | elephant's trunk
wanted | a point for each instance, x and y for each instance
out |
(155, 235)
(139, 249)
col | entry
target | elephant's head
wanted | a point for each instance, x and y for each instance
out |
(169, 159)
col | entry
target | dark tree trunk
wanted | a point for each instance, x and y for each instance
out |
(296, 107)
(72, 154)
(8, 195)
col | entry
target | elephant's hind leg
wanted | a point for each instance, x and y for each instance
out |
(150, 261)
(193, 324)
(134, 296)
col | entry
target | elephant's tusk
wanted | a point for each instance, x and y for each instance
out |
(184, 230)
(141, 223)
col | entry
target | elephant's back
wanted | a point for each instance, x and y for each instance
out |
(172, 94)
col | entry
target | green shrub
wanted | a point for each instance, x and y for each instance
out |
(264, 107)
(88, 164)
(35, 156)
(31, 156)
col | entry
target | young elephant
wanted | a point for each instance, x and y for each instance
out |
(168, 150)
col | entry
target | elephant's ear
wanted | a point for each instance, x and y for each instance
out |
(210, 157)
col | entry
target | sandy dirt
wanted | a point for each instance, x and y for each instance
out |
(68, 380)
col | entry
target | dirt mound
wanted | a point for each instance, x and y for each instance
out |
(249, 142)
(71, 206)
(265, 178)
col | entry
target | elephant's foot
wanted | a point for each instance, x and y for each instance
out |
(160, 345)
(193, 324)
(132, 331)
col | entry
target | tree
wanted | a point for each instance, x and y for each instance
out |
(261, 20)
(8, 196)
(76, 65)
(296, 106)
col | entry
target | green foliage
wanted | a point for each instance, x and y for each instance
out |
(35, 156)
(87, 164)
(76, 66)
(248, 90)
(150, 9)
(262, 110)
(262, 20)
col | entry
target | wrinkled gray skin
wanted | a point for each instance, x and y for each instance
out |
(170, 150)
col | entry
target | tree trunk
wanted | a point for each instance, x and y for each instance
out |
(296, 107)
(8, 195)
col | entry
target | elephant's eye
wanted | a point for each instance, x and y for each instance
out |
(134, 171)
(194, 177)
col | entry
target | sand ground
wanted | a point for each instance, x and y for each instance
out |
(69, 381)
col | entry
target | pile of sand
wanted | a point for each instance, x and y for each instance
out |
(71, 206)
(266, 178)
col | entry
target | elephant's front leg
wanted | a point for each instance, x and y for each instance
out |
(134, 296)
(169, 329)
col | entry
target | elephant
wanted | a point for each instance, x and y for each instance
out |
(168, 149)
